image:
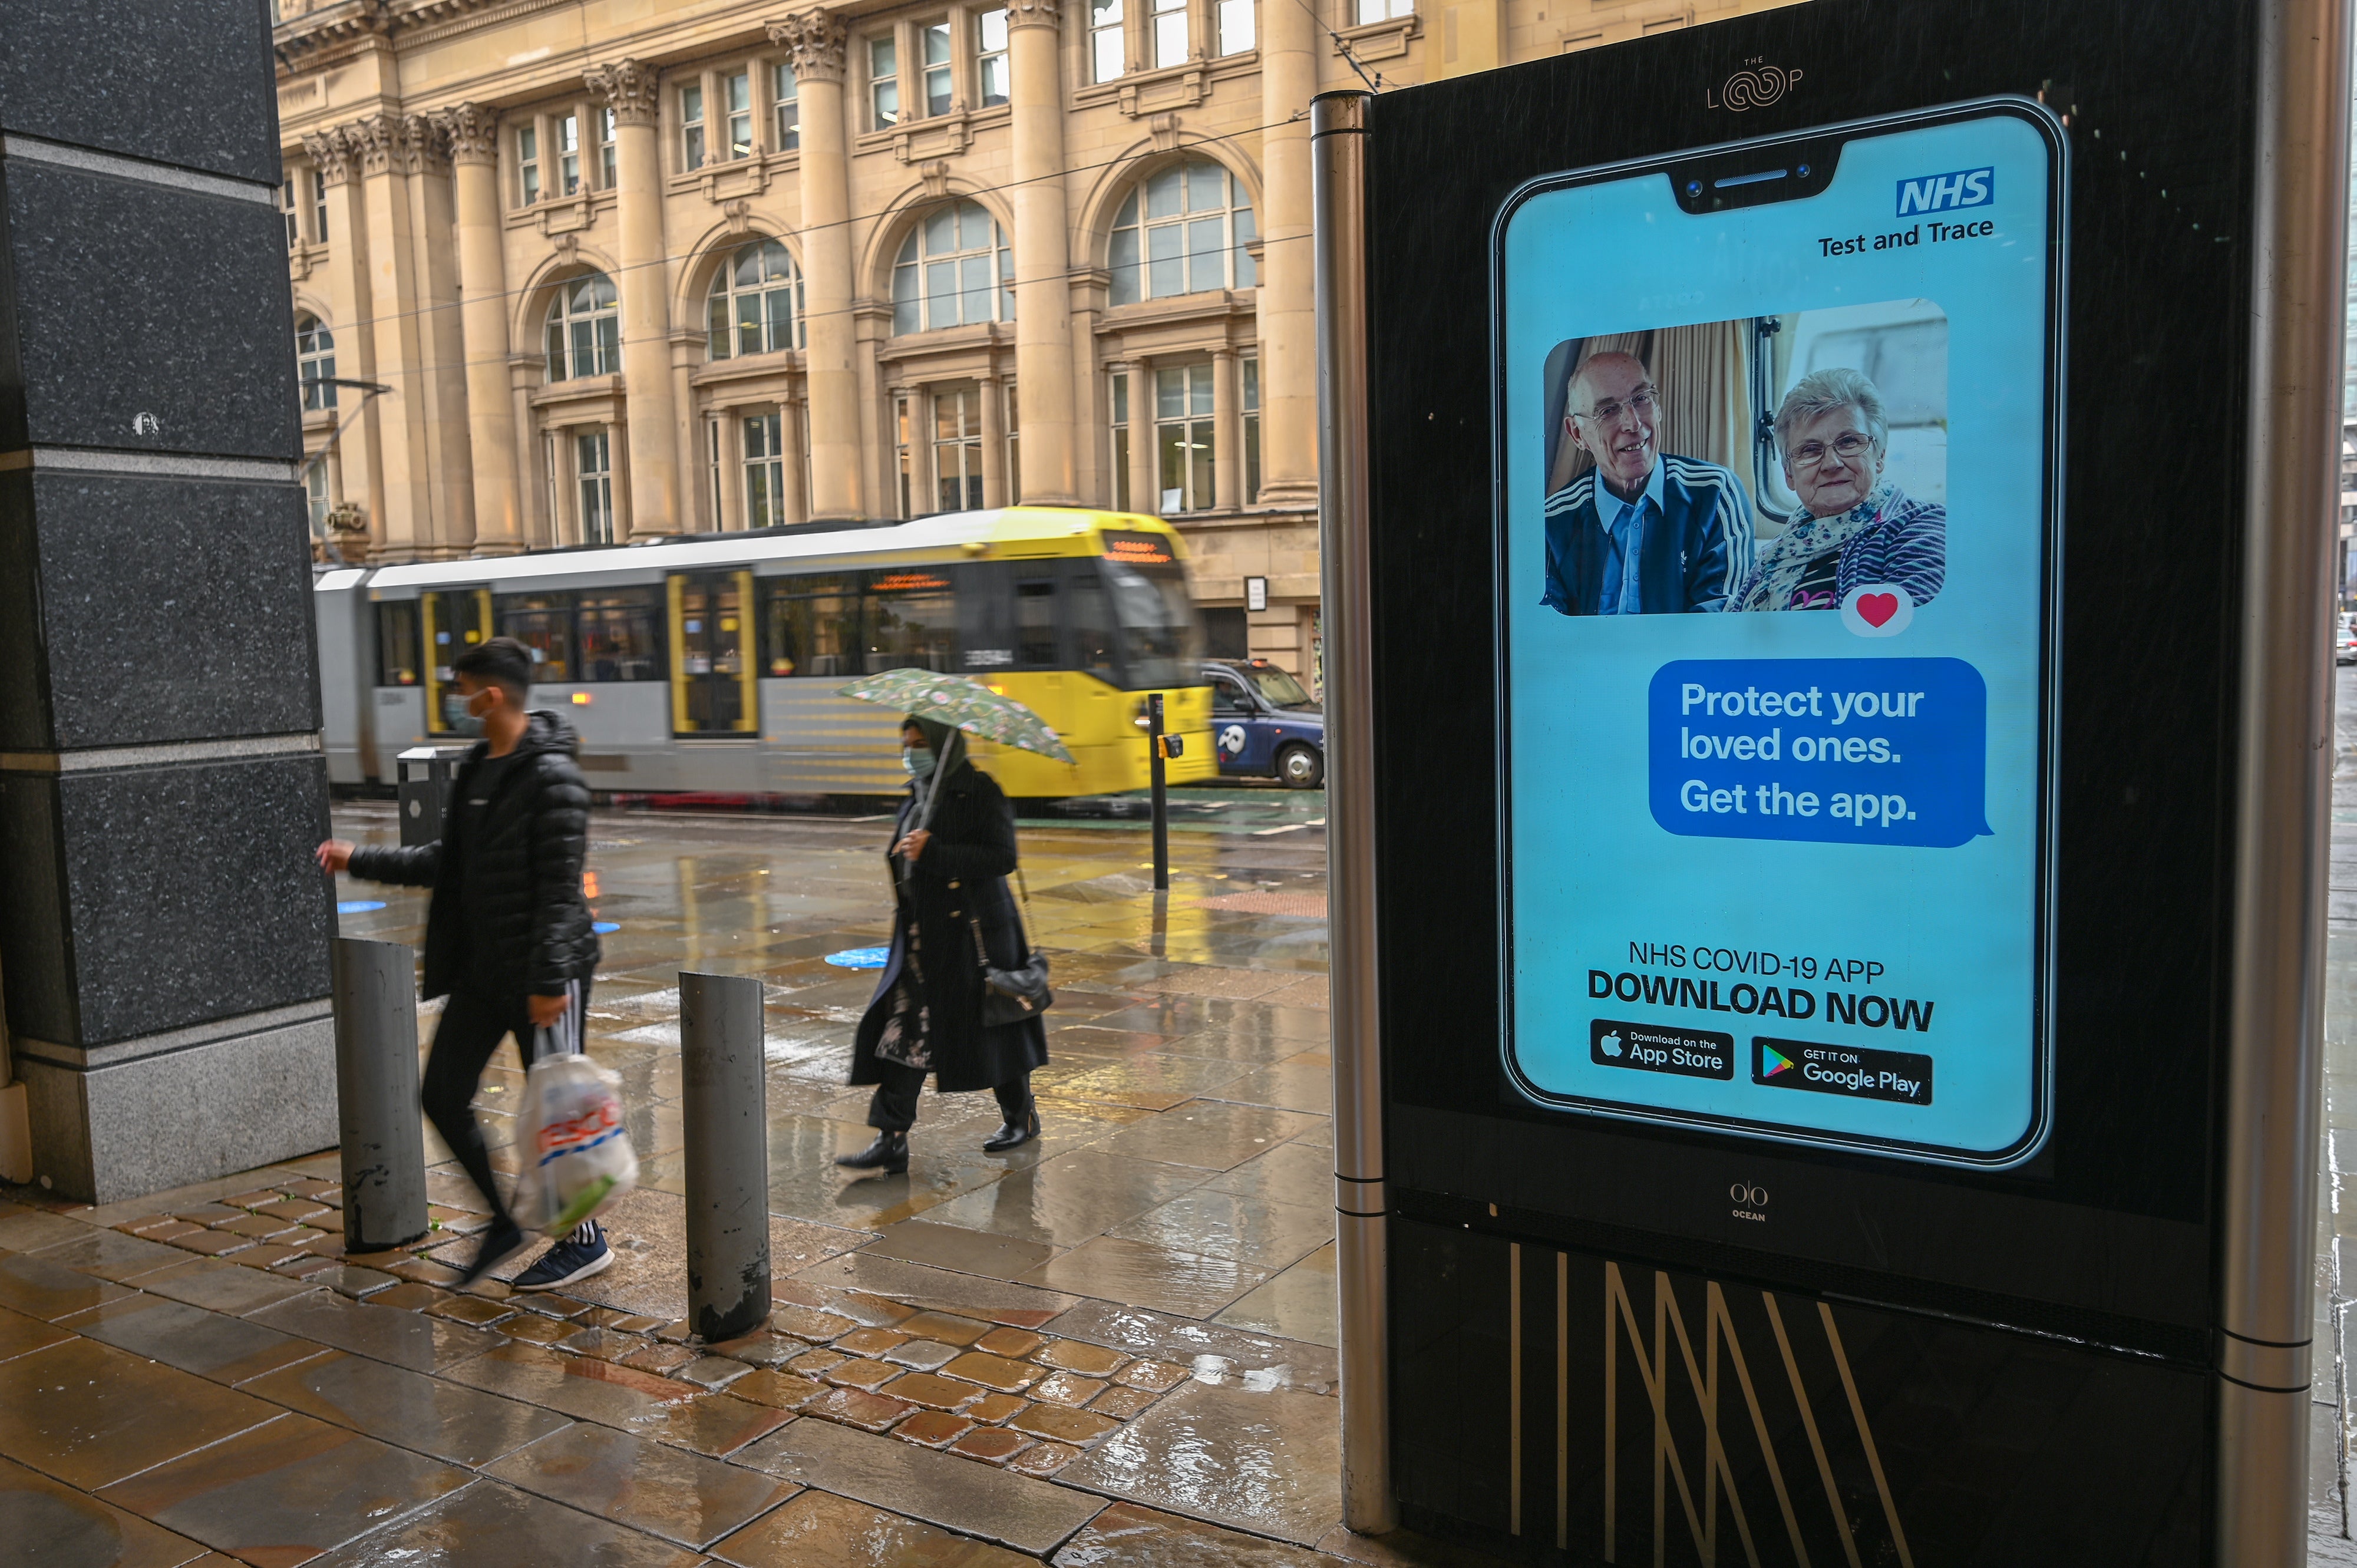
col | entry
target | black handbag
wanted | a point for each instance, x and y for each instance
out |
(1011, 995)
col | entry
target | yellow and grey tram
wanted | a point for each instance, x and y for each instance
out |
(713, 664)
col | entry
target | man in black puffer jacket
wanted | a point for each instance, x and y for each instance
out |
(508, 934)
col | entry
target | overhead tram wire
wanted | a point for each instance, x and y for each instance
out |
(665, 260)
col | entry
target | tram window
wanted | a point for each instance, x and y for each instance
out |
(543, 623)
(1091, 621)
(810, 626)
(620, 636)
(909, 620)
(1161, 643)
(396, 643)
(1037, 645)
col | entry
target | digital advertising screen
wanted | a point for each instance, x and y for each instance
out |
(1777, 597)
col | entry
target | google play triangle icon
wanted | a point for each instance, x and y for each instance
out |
(1772, 1061)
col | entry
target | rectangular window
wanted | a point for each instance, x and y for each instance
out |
(990, 56)
(1014, 428)
(691, 126)
(319, 208)
(1251, 369)
(1182, 436)
(606, 150)
(397, 645)
(542, 623)
(765, 470)
(1169, 33)
(314, 492)
(884, 83)
(938, 94)
(1108, 50)
(737, 96)
(1120, 425)
(957, 448)
(286, 209)
(786, 92)
(618, 633)
(712, 472)
(594, 467)
(909, 620)
(568, 154)
(904, 452)
(1372, 11)
(1037, 644)
(810, 627)
(1235, 26)
(528, 163)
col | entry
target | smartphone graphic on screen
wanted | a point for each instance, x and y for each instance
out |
(1776, 571)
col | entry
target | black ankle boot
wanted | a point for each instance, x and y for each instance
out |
(889, 1152)
(1013, 1134)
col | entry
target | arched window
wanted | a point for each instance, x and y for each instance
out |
(585, 329)
(756, 305)
(955, 268)
(1182, 230)
(315, 362)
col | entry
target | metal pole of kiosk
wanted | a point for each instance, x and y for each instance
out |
(725, 1120)
(2273, 1092)
(382, 1133)
(1337, 140)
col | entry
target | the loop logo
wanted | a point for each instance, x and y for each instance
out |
(1947, 192)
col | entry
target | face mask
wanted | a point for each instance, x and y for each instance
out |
(461, 715)
(918, 760)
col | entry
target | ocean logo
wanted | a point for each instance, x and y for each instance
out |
(1947, 192)
(1773, 1061)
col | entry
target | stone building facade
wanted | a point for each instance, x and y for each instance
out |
(630, 268)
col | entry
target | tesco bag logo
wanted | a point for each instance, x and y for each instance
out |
(1947, 192)
(573, 1134)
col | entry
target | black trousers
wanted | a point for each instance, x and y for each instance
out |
(472, 1028)
(893, 1107)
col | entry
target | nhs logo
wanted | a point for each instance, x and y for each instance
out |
(1947, 192)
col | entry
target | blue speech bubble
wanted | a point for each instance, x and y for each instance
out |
(1889, 751)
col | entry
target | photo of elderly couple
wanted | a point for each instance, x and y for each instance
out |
(1668, 490)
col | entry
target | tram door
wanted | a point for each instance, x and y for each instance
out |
(453, 622)
(712, 682)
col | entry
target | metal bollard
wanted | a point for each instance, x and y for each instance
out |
(723, 1107)
(376, 1094)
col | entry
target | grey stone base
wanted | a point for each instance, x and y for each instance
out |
(136, 1125)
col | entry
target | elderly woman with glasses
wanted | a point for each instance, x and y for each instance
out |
(1854, 529)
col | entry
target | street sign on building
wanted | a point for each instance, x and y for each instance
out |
(1841, 502)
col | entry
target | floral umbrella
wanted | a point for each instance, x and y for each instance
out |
(965, 705)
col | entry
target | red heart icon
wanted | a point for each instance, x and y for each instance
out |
(1876, 609)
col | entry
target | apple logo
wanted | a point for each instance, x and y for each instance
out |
(1612, 1044)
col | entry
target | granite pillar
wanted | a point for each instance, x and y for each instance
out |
(633, 89)
(163, 934)
(816, 42)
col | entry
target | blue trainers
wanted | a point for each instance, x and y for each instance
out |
(575, 1258)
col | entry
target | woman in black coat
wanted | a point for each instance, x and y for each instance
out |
(952, 905)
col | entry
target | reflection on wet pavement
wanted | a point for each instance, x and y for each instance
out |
(1110, 1346)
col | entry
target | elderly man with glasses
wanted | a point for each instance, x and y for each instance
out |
(1853, 531)
(1643, 532)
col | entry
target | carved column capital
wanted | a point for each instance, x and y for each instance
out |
(472, 133)
(629, 87)
(375, 141)
(425, 146)
(1032, 13)
(329, 155)
(817, 43)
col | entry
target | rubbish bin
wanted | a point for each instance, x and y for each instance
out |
(424, 791)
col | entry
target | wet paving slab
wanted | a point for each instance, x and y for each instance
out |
(941, 1489)
(213, 1345)
(491, 1525)
(665, 1491)
(1267, 1461)
(819, 1529)
(427, 1416)
(46, 1522)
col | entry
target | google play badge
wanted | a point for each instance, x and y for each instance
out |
(1771, 1061)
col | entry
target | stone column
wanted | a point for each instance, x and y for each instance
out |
(685, 348)
(732, 469)
(994, 439)
(531, 460)
(1145, 463)
(1288, 305)
(633, 90)
(396, 327)
(449, 482)
(337, 159)
(163, 928)
(474, 136)
(791, 414)
(1043, 304)
(1227, 432)
(565, 526)
(816, 42)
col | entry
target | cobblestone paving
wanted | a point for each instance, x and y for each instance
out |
(1112, 1347)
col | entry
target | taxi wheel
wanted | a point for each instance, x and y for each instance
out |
(1301, 767)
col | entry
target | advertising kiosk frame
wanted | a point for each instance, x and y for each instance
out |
(1573, 1331)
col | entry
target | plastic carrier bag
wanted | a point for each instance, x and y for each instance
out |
(576, 1156)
